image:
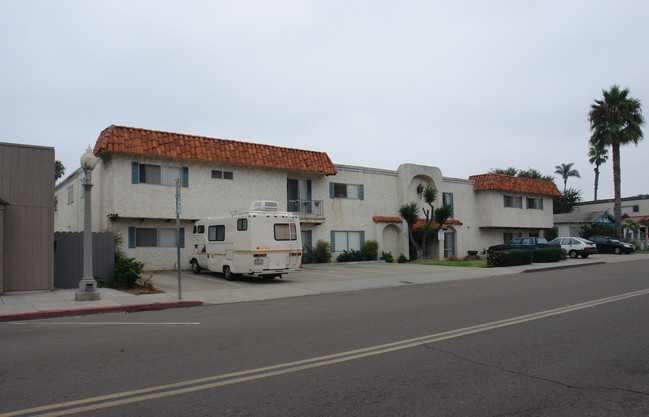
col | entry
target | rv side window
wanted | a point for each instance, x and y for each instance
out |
(283, 232)
(216, 233)
(242, 224)
(199, 229)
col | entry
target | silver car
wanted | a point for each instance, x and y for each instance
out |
(575, 246)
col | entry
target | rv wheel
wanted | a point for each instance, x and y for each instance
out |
(228, 273)
(196, 267)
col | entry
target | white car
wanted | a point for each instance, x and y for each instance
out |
(575, 246)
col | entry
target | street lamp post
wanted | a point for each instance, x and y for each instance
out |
(87, 286)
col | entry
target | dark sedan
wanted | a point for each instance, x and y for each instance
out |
(523, 243)
(608, 245)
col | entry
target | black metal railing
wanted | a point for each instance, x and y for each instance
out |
(306, 208)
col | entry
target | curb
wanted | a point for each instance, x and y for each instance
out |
(97, 310)
(554, 268)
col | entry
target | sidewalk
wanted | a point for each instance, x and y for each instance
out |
(210, 288)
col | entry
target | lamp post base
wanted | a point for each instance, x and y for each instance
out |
(87, 290)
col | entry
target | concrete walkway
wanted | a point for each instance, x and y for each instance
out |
(212, 288)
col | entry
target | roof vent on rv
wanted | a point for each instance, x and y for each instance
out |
(264, 206)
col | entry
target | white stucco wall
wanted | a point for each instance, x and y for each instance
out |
(483, 216)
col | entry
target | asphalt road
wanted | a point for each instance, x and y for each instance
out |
(538, 344)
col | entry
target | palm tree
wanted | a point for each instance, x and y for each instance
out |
(410, 213)
(429, 195)
(59, 169)
(616, 120)
(597, 155)
(566, 171)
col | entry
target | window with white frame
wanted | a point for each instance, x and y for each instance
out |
(71, 194)
(351, 191)
(513, 201)
(346, 241)
(159, 174)
(535, 203)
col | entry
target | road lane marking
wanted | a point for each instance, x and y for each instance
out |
(122, 398)
(95, 323)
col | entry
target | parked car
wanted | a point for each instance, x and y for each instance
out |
(608, 245)
(575, 246)
(523, 243)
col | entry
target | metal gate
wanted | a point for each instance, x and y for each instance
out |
(68, 257)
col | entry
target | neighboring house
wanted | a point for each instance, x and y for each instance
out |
(134, 195)
(601, 211)
(570, 224)
(26, 217)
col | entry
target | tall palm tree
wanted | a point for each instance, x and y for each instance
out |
(616, 120)
(566, 171)
(597, 155)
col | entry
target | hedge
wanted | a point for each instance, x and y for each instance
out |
(510, 257)
(523, 256)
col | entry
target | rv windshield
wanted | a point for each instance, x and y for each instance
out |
(283, 232)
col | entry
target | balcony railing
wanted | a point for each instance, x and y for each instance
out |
(306, 208)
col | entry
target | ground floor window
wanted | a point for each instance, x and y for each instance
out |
(347, 240)
(152, 237)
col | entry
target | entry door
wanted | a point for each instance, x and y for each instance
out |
(449, 244)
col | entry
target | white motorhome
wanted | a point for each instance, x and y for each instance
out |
(262, 241)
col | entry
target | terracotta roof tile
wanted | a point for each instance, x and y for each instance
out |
(385, 219)
(509, 183)
(175, 145)
(420, 224)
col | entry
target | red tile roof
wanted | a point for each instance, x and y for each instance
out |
(176, 145)
(420, 224)
(509, 183)
(379, 219)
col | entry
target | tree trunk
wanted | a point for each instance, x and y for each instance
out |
(596, 180)
(413, 242)
(617, 208)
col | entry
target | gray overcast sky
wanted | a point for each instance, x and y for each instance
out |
(465, 86)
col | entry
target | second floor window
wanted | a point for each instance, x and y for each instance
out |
(222, 175)
(351, 191)
(158, 174)
(447, 200)
(535, 203)
(513, 201)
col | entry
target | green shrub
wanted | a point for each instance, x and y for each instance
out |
(368, 253)
(387, 257)
(546, 255)
(510, 257)
(322, 252)
(597, 229)
(127, 270)
(402, 259)
(370, 250)
(307, 256)
(349, 256)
